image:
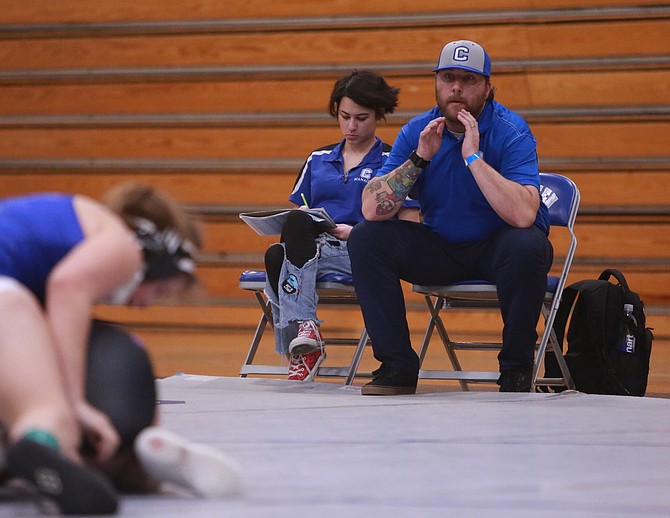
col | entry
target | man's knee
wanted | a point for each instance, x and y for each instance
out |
(526, 247)
(365, 234)
(361, 245)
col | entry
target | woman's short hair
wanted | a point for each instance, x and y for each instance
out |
(366, 88)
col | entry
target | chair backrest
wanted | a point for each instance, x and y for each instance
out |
(561, 196)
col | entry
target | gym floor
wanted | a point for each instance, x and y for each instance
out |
(322, 449)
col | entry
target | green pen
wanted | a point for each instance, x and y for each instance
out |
(304, 200)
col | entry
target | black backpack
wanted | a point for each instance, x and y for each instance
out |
(597, 355)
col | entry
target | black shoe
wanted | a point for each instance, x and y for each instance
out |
(76, 489)
(515, 380)
(387, 381)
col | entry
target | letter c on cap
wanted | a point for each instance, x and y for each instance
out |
(461, 53)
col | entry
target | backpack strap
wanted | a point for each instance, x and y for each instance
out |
(564, 309)
(551, 367)
(613, 272)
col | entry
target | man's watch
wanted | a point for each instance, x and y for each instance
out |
(418, 161)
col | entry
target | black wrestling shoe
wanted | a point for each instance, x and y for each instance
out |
(76, 489)
(387, 381)
(515, 380)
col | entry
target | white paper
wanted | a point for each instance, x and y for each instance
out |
(270, 222)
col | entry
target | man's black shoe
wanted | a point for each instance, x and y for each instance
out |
(515, 380)
(387, 381)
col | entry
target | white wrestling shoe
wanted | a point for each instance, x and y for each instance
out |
(168, 457)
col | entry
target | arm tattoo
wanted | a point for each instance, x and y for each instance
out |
(400, 182)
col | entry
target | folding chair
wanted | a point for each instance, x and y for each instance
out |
(561, 196)
(332, 289)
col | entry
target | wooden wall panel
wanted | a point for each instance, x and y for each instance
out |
(606, 189)
(516, 90)
(595, 240)
(81, 11)
(237, 189)
(652, 284)
(588, 78)
(347, 46)
(576, 139)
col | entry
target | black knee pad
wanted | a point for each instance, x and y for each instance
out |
(119, 380)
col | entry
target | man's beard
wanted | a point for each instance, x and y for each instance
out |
(475, 108)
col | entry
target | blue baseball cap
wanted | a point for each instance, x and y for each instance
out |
(464, 54)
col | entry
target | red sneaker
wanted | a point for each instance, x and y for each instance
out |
(304, 367)
(308, 340)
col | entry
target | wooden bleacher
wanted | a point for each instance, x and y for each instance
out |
(220, 104)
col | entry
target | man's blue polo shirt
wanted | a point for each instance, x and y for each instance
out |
(451, 202)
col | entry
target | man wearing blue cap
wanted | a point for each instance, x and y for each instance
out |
(472, 164)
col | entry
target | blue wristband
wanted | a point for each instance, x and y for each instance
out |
(472, 158)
